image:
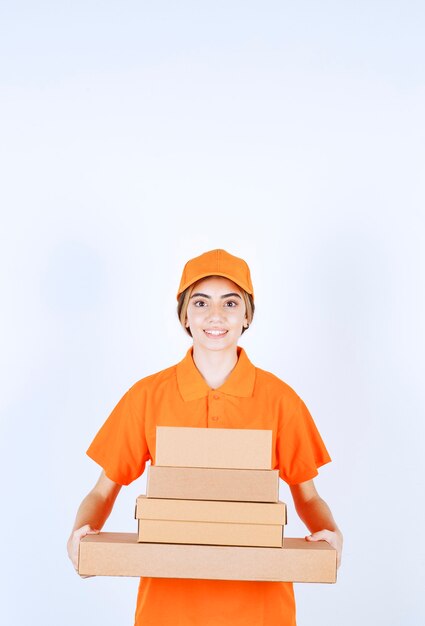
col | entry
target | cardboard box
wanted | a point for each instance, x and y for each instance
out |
(229, 448)
(211, 511)
(210, 533)
(210, 522)
(120, 554)
(201, 483)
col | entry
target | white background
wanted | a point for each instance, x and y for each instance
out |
(136, 135)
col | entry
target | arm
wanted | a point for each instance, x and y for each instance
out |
(92, 513)
(317, 516)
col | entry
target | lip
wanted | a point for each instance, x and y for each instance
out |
(222, 334)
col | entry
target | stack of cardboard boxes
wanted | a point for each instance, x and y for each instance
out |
(209, 487)
(211, 511)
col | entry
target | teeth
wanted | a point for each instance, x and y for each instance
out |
(216, 332)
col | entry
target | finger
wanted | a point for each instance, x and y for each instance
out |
(321, 535)
(83, 531)
(74, 542)
(325, 535)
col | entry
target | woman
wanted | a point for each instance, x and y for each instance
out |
(215, 386)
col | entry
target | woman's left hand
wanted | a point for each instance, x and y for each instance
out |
(334, 538)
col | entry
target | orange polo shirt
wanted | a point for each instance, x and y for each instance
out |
(178, 396)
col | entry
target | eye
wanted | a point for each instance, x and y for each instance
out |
(199, 303)
(231, 303)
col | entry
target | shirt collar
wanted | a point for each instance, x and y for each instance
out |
(192, 386)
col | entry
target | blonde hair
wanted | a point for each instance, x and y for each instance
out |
(183, 303)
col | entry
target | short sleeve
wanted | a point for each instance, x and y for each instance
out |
(300, 448)
(120, 446)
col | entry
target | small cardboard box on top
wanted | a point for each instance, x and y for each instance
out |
(227, 448)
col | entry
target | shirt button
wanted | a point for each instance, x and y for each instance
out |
(216, 397)
(214, 418)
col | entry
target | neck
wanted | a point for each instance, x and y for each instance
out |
(215, 366)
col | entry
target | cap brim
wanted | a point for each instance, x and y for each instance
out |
(205, 274)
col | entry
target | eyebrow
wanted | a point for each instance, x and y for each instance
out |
(204, 295)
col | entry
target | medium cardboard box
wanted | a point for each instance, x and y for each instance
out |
(211, 511)
(120, 554)
(210, 522)
(228, 448)
(210, 533)
(202, 483)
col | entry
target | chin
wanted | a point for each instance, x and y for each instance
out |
(227, 345)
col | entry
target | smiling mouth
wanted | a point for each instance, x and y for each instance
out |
(215, 333)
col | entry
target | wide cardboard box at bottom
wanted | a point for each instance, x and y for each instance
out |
(120, 554)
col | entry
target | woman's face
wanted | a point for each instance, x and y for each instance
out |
(216, 313)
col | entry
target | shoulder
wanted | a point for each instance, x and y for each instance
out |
(154, 382)
(284, 400)
(275, 385)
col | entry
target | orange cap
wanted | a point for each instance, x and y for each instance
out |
(216, 263)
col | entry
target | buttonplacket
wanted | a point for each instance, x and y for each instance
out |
(214, 410)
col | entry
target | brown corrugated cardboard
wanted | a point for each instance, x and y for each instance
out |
(231, 448)
(120, 554)
(210, 533)
(201, 483)
(211, 511)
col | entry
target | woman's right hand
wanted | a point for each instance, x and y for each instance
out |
(94, 509)
(74, 542)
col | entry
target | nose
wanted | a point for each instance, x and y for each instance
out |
(215, 311)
